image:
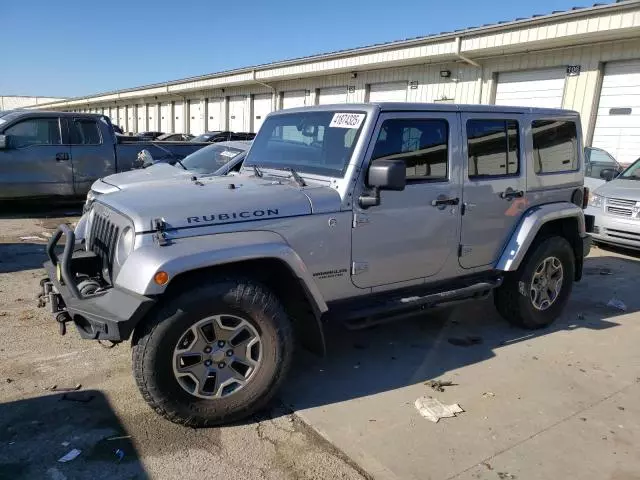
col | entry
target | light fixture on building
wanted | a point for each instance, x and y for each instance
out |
(445, 73)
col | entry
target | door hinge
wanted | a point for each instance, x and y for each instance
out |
(359, 267)
(360, 219)
(464, 250)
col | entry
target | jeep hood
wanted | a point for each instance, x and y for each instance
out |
(625, 189)
(218, 201)
(159, 171)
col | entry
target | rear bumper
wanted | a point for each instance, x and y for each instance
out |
(623, 232)
(111, 314)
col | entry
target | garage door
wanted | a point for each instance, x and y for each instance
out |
(261, 108)
(618, 119)
(237, 107)
(294, 99)
(214, 114)
(165, 117)
(131, 118)
(152, 117)
(142, 117)
(534, 88)
(122, 118)
(332, 95)
(196, 117)
(178, 117)
(113, 115)
(388, 92)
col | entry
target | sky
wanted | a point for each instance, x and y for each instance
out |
(71, 48)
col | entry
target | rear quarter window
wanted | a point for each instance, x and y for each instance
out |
(555, 146)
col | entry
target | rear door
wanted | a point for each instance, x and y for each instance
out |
(37, 164)
(494, 184)
(92, 155)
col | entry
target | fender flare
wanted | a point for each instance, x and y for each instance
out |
(529, 226)
(192, 253)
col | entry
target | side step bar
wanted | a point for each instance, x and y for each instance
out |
(408, 306)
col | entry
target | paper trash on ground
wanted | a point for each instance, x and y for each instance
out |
(432, 409)
(72, 455)
(617, 304)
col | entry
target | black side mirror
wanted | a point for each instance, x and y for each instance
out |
(384, 175)
(608, 174)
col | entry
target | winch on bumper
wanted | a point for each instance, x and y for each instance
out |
(106, 313)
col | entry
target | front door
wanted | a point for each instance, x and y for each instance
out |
(92, 156)
(36, 162)
(412, 233)
(494, 185)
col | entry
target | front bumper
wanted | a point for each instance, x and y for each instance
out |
(619, 231)
(108, 314)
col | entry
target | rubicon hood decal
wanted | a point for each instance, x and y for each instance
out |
(242, 215)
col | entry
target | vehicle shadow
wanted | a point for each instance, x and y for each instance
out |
(37, 432)
(39, 209)
(16, 257)
(408, 352)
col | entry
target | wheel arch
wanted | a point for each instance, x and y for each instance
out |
(562, 219)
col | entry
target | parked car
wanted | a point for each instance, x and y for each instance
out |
(175, 137)
(219, 136)
(217, 159)
(600, 167)
(614, 209)
(358, 213)
(150, 135)
(60, 154)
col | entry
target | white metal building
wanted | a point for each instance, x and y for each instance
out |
(585, 59)
(10, 102)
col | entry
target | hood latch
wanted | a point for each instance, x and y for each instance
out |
(160, 226)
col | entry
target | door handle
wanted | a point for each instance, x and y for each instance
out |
(444, 201)
(510, 194)
(62, 156)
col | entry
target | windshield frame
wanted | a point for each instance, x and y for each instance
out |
(635, 166)
(302, 169)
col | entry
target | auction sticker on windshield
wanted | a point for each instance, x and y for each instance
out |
(347, 120)
(228, 153)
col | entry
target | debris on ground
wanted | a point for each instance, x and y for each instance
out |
(120, 454)
(438, 385)
(56, 388)
(9, 380)
(505, 475)
(617, 304)
(65, 444)
(33, 237)
(432, 409)
(605, 271)
(78, 397)
(488, 465)
(488, 394)
(71, 455)
(3, 314)
(465, 341)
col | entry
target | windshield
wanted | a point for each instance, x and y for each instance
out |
(597, 160)
(312, 142)
(210, 158)
(205, 137)
(632, 172)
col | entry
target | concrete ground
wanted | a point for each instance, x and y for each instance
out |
(557, 403)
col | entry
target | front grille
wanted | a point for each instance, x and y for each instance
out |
(622, 212)
(623, 234)
(103, 239)
(621, 202)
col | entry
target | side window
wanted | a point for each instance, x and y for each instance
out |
(421, 143)
(555, 146)
(85, 132)
(493, 148)
(35, 131)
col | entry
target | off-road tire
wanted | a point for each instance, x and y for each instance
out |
(156, 338)
(512, 298)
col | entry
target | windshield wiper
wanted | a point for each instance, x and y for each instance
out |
(257, 171)
(299, 180)
(181, 164)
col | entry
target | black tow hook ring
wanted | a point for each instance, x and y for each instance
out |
(62, 318)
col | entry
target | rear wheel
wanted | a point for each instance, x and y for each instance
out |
(535, 295)
(214, 354)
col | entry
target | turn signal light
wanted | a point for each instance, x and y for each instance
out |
(161, 278)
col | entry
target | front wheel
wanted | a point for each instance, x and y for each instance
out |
(214, 354)
(535, 295)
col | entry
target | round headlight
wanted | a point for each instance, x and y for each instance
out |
(125, 245)
(595, 200)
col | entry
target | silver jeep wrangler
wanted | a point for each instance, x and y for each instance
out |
(351, 213)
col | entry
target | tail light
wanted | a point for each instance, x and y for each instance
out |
(585, 197)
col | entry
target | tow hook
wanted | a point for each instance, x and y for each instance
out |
(62, 318)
